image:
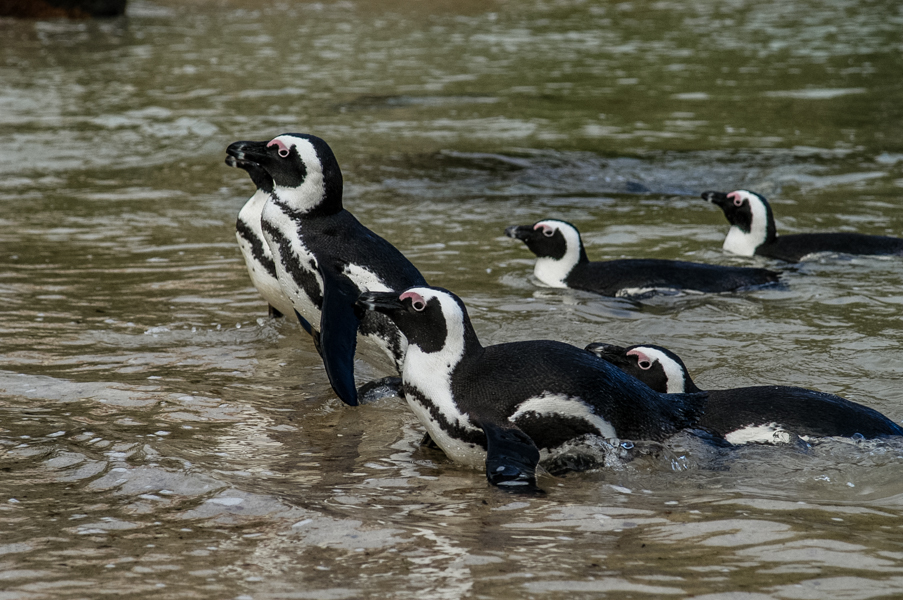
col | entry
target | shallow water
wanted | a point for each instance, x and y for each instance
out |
(160, 435)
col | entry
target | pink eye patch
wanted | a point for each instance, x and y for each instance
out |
(417, 301)
(546, 229)
(735, 196)
(283, 150)
(643, 361)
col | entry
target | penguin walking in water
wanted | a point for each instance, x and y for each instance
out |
(508, 405)
(562, 263)
(753, 232)
(324, 257)
(763, 414)
(254, 248)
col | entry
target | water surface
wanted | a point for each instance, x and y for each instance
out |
(161, 435)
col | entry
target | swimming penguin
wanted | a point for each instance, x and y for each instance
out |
(763, 414)
(324, 257)
(753, 232)
(254, 248)
(508, 405)
(562, 263)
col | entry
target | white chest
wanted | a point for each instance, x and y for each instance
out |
(294, 261)
(552, 272)
(742, 243)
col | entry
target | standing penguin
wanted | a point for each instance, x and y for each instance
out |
(324, 257)
(762, 414)
(510, 404)
(562, 262)
(753, 232)
(254, 248)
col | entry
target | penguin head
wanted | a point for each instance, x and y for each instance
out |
(752, 223)
(557, 246)
(432, 319)
(657, 367)
(305, 173)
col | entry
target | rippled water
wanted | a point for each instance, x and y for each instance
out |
(159, 434)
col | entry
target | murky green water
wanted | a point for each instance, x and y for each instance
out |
(159, 435)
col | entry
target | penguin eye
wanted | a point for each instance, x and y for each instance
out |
(281, 149)
(644, 364)
(738, 201)
(418, 305)
(548, 231)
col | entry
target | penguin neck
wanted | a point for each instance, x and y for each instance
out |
(428, 378)
(744, 241)
(431, 371)
(689, 386)
(313, 198)
(554, 272)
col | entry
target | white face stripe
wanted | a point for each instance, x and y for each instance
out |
(677, 380)
(310, 193)
(740, 242)
(550, 404)
(553, 272)
(431, 372)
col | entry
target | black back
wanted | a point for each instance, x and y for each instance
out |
(802, 411)
(490, 383)
(610, 277)
(793, 247)
(505, 375)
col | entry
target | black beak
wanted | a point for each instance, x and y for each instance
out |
(616, 355)
(246, 152)
(717, 198)
(384, 302)
(519, 232)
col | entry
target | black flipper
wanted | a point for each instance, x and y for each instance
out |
(338, 333)
(305, 324)
(511, 459)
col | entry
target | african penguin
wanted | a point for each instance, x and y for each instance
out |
(753, 232)
(562, 262)
(508, 405)
(254, 248)
(324, 256)
(763, 414)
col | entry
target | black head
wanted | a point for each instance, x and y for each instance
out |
(657, 367)
(557, 246)
(747, 211)
(549, 238)
(432, 319)
(303, 168)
